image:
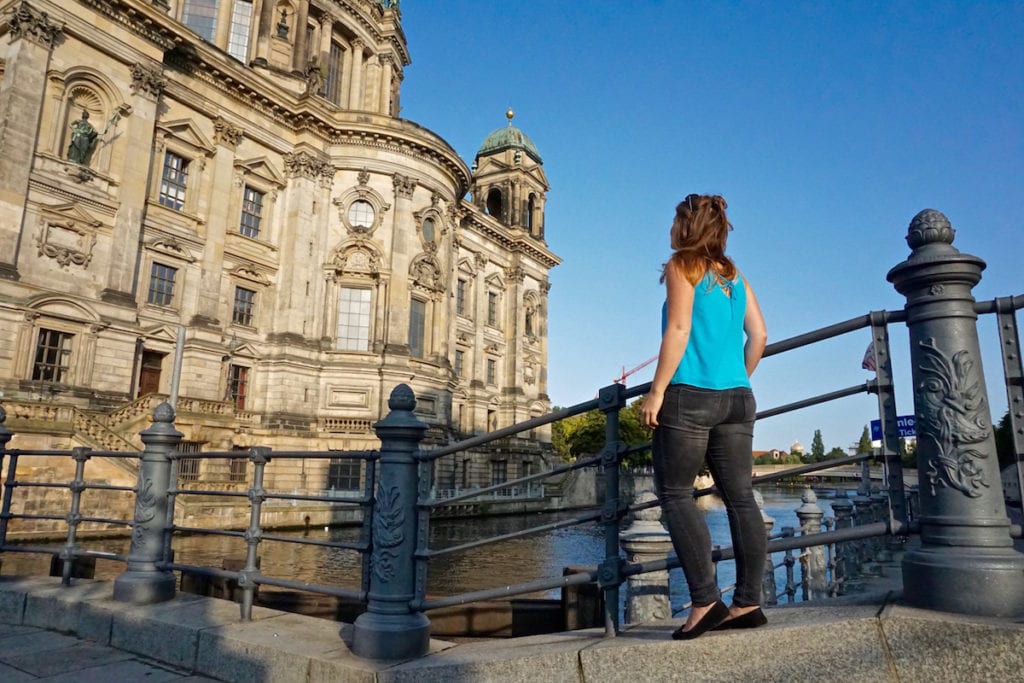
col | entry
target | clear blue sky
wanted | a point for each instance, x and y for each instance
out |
(826, 126)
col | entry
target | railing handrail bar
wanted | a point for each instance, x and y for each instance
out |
(589, 517)
(578, 464)
(511, 430)
(866, 388)
(670, 562)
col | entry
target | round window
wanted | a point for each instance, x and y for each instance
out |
(360, 214)
(428, 229)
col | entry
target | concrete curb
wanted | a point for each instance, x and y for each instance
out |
(870, 638)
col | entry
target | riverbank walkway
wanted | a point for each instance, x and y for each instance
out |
(79, 634)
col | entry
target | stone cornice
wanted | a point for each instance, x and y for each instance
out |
(28, 22)
(147, 80)
(522, 244)
(149, 21)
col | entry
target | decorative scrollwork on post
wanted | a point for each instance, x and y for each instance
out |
(145, 511)
(388, 518)
(952, 408)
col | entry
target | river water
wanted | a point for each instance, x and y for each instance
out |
(494, 565)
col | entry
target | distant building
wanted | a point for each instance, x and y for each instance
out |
(797, 448)
(239, 168)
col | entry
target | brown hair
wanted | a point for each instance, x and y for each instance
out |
(698, 237)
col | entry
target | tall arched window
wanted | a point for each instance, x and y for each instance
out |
(531, 205)
(495, 203)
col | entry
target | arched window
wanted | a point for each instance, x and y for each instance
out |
(531, 204)
(495, 203)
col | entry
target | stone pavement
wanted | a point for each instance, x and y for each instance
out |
(79, 633)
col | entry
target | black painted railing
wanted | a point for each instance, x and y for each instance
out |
(959, 507)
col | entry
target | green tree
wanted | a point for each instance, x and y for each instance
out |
(583, 435)
(864, 445)
(1004, 442)
(836, 452)
(817, 447)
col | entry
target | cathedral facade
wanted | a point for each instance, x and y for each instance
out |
(233, 176)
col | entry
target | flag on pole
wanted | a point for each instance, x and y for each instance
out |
(869, 359)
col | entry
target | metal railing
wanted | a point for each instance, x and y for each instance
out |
(953, 511)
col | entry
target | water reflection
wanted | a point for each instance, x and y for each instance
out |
(496, 565)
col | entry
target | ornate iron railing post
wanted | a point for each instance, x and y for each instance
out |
(966, 562)
(12, 466)
(611, 399)
(67, 554)
(390, 628)
(143, 582)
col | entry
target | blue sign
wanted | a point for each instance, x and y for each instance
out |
(904, 423)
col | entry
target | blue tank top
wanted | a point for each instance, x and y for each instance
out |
(714, 354)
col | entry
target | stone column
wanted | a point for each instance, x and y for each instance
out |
(966, 562)
(32, 36)
(384, 103)
(222, 30)
(226, 138)
(308, 176)
(813, 559)
(147, 85)
(514, 277)
(263, 33)
(301, 47)
(769, 591)
(402, 232)
(355, 93)
(647, 595)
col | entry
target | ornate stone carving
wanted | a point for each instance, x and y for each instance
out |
(363, 177)
(388, 518)
(952, 414)
(514, 274)
(404, 186)
(147, 80)
(357, 261)
(545, 286)
(426, 272)
(225, 134)
(305, 165)
(28, 22)
(480, 260)
(67, 234)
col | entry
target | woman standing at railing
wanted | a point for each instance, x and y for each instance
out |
(702, 408)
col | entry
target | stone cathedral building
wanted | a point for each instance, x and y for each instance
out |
(238, 169)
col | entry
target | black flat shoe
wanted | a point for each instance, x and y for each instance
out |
(751, 619)
(715, 616)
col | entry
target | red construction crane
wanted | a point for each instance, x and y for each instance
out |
(622, 379)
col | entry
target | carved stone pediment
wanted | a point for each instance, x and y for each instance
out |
(164, 333)
(249, 272)
(262, 169)
(171, 247)
(67, 234)
(187, 133)
(357, 259)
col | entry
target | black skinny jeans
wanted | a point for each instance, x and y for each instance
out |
(695, 424)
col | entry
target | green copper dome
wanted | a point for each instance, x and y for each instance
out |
(509, 137)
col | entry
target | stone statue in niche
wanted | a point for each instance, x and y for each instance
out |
(84, 138)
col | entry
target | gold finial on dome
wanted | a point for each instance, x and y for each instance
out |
(509, 114)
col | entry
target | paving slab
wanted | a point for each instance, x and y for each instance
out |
(80, 655)
(803, 650)
(341, 666)
(11, 630)
(9, 674)
(939, 646)
(128, 670)
(550, 658)
(37, 641)
(169, 631)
